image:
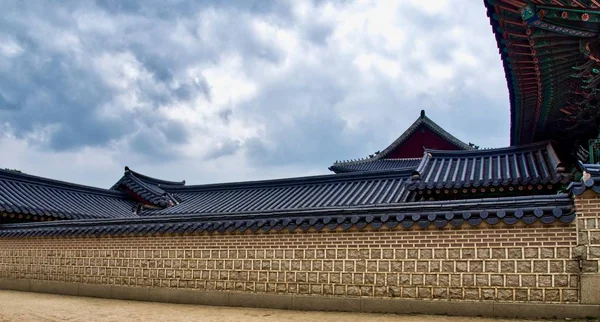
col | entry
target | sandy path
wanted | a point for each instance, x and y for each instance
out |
(22, 306)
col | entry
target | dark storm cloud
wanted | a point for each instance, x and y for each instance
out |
(54, 80)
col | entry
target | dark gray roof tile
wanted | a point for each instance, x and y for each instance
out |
(514, 166)
(317, 192)
(146, 189)
(509, 211)
(589, 180)
(375, 165)
(23, 194)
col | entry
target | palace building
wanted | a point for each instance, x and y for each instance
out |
(428, 217)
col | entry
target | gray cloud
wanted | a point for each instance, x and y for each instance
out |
(265, 87)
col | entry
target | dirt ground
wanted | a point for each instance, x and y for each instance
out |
(22, 306)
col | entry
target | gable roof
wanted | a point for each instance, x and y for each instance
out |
(374, 161)
(37, 198)
(423, 120)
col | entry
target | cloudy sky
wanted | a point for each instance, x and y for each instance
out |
(212, 91)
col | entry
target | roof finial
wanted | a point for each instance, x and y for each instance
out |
(422, 113)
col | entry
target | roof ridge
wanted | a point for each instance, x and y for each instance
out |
(365, 160)
(396, 159)
(37, 180)
(152, 180)
(148, 186)
(529, 146)
(422, 120)
(436, 207)
(327, 178)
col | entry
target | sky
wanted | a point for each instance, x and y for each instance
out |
(220, 91)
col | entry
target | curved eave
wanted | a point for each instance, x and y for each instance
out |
(492, 211)
(151, 180)
(144, 192)
(508, 74)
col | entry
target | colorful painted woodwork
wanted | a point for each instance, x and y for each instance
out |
(550, 53)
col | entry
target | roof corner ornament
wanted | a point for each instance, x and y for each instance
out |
(585, 178)
(422, 113)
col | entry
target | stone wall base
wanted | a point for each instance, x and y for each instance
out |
(590, 288)
(304, 302)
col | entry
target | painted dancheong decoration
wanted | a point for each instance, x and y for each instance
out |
(550, 51)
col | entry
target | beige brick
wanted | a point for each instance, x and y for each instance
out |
(491, 266)
(505, 294)
(409, 292)
(440, 293)
(461, 266)
(483, 253)
(552, 295)
(321, 263)
(515, 253)
(545, 280)
(488, 294)
(475, 266)
(455, 293)
(521, 295)
(507, 266)
(531, 253)
(354, 290)
(497, 280)
(424, 292)
(540, 266)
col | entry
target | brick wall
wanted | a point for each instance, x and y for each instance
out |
(588, 236)
(500, 263)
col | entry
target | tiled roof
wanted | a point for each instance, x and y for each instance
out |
(23, 195)
(315, 192)
(589, 180)
(423, 120)
(534, 164)
(146, 198)
(146, 189)
(374, 165)
(507, 211)
(152, 181)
